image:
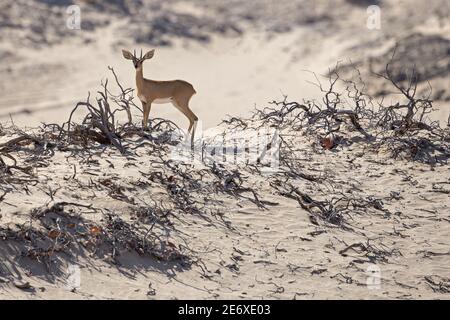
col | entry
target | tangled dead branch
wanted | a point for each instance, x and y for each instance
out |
(403, 128)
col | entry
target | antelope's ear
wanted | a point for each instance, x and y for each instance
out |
(149, 54)
(127, 55)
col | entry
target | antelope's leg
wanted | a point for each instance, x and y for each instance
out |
(143, 113)
(184, 108)
(192, 123)
(147, 107)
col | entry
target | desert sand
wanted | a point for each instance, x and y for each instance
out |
(358, 219)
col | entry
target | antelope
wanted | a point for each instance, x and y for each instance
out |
(178, 92)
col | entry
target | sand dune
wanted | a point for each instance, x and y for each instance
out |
(355, 212)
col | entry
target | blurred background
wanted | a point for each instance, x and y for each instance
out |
(238, 54)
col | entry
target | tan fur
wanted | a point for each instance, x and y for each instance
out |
(178, 92)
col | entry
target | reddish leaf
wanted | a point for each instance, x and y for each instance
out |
(327, 143)
(53, 234)
(94, 230)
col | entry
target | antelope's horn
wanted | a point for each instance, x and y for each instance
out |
(141, 54)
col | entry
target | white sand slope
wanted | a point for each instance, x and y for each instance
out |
(96, 224)
(202, 232)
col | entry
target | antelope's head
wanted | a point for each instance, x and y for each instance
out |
(137, 62)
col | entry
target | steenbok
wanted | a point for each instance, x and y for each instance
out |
(177, 92)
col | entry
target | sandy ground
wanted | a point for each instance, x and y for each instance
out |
(242, 251)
